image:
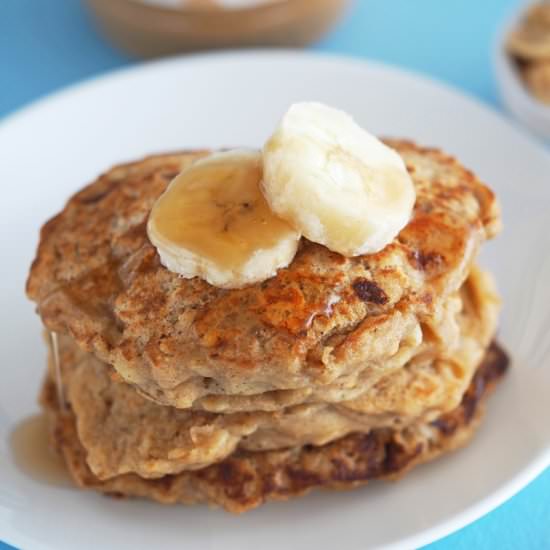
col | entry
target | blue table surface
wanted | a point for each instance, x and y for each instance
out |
(48, 44)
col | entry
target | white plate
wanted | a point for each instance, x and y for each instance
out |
(52, 148)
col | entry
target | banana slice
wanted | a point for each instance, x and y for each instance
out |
(213, 222)
(334, 182)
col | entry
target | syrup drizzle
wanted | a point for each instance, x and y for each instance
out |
(32, 454)
(57, 370)
(326, 311)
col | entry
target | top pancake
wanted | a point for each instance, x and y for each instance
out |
(98, 278)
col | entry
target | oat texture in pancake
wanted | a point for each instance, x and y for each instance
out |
(247, 479)
(123, 432)
(324, 319)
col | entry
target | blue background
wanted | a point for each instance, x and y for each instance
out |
(47, 44)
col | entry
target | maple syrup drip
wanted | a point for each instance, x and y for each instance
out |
(57, 369)
(326, 311)
(32, 453)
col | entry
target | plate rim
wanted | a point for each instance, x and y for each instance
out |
(338, 58)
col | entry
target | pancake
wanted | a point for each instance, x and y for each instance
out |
(123, 432)
(247, 479)
(97, 278)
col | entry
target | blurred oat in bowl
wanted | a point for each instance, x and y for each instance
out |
(529, 40)
(150, 28)
(529, 46)
(537, 79)
(522, 61)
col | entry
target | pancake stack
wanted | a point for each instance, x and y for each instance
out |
(332, 373)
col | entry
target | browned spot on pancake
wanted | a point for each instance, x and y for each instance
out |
(491, 370)
(496, 364)
(303, 478)
(227, 472)
(397, 457)
(96, 197)
(293, 299)
(170, 175)
(368, 291)
(425, 260)
(447, 426)
(427, 298)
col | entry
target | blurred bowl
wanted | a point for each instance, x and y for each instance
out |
(515, 96)
(150, 29)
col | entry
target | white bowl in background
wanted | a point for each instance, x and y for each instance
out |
(517, 99)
